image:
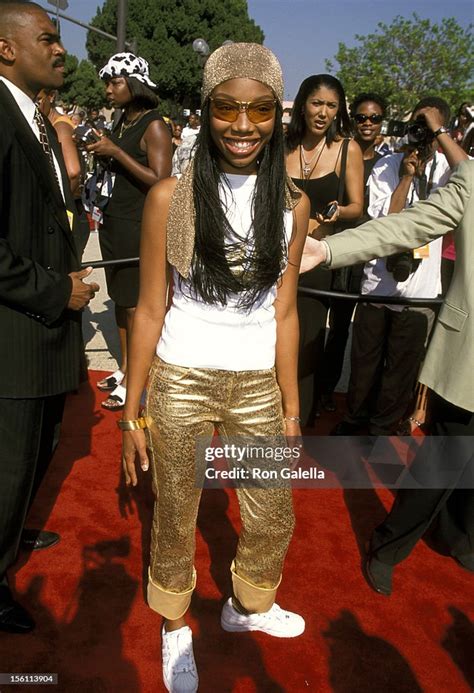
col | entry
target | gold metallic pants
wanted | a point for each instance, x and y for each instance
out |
(185, 403)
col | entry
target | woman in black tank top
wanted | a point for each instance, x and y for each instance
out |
(140, 151)
(316, 140)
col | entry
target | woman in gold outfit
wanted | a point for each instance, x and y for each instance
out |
(223, 356)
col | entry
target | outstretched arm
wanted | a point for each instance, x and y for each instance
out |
(424, 222)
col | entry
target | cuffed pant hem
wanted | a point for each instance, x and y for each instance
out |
(170, 605)
(254, 599)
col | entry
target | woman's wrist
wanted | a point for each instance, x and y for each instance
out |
(137, 424)
(116, 152)
(130, 414)
(295, 418)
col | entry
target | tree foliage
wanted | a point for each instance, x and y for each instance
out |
(164, 32)
(81, 84)
(409, 59)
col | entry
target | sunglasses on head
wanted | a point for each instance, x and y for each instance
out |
(374, 118)
(229, 110)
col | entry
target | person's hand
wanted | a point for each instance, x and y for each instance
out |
(133, 445)
(411, 163)
(292, 432)
(103, 147)
(333, 218)
(294, 439)
(314, 252)
(433, 117)
(81, 292)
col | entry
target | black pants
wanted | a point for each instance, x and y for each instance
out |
(312, 314)
(388, 347)
(29, 434)
(340, 315)
(449, 512)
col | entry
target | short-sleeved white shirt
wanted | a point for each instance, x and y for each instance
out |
(426, 281)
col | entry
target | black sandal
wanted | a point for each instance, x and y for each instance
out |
(115, 401)
(110, 383)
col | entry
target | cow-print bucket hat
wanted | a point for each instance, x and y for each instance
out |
(127, 65)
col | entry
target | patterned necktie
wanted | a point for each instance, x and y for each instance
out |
(44, 141)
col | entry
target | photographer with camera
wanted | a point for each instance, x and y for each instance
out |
(389, 341)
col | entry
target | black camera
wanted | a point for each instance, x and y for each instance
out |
(396, 128)
(85, 135)
(419, 134)
(416, 133)
(401, 265)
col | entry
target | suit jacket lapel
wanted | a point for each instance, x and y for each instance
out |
(39, 162)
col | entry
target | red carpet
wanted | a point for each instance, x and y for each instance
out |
(95, 630)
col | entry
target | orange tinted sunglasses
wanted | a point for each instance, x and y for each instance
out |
(228, 110)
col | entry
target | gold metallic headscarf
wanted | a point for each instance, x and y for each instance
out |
(242, 60)
(236, 60)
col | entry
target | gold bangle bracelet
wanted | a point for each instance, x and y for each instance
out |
(292, 418)
(135, 424)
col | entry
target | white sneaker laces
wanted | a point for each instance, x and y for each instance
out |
(183, 660)
(277, 613)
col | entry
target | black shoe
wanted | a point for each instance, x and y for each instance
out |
(13, 617)
(328, 403)
(344, 428)
(35, 539)
(379, 576)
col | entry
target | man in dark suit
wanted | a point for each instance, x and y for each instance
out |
(41, 288)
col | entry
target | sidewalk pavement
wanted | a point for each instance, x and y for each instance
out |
(98, 322)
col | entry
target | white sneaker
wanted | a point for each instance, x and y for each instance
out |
(179, 668)
(276, 622)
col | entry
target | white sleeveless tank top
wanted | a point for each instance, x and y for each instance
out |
(199, 335)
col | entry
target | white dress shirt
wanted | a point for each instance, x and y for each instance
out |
(28, 107)
(425, 282)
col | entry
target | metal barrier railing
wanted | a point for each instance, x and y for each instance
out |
(370, 298)
(302, 290)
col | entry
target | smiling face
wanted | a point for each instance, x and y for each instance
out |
(117, 92)
(320, 109)
(240, 143)
(368, 131)
(31, 52)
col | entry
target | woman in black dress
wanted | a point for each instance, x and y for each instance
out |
(318, 150)
(140, 151)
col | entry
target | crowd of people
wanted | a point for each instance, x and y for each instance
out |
(382, 386)
(229, 215)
